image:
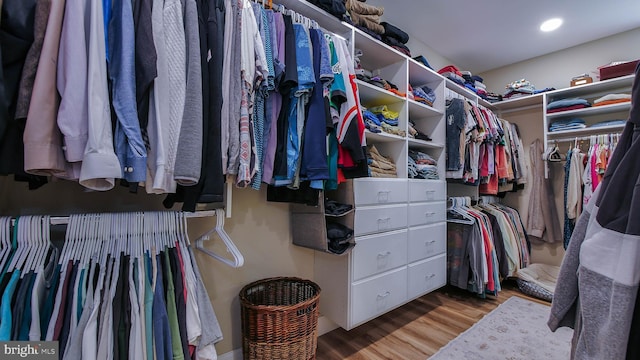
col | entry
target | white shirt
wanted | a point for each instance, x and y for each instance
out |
(105, 344)
(36, 301)
(159, 107)
(90, 333)
(194, 326)
(56, 306)
(136, 341)
(100, 165)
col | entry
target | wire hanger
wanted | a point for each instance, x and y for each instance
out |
(238, 259)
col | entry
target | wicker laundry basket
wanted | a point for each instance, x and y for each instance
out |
(280, 319)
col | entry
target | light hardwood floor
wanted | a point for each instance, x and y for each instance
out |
(414, 331)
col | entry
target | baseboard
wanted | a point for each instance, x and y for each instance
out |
(325, 325)
(231, 355)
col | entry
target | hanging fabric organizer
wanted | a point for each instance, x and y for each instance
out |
(123, 283)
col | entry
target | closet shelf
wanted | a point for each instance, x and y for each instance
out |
(594, 110)
(375, 53)
(382, 137)
(598, 87)
(519, 103)
(371, 95)
(466, 93)
(420, 75)
(424, 144)
(419, 110)
(584, 132)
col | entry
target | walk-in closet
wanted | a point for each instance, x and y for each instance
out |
(319, 179)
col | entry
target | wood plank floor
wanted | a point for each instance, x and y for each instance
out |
(414, 331)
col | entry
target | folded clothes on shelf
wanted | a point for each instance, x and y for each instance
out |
(422, 166)
(424, 95)
(565, 103)
(334, 208)
(385, 112)
(380, 166)
(423, 60)
(338, 236)
(414, 133)
(394, 32)
(567, 124)
(611, 99)
(608, 123)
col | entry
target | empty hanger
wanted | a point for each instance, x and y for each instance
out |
(238, 259)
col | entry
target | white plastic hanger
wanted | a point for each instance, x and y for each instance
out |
(456, 208)
(5, 240)
(37, 234)
(20, 250)
(238, 259)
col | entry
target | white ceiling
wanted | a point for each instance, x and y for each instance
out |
(484, 35)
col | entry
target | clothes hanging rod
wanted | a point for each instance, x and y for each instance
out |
(64, 220)
(579, 138)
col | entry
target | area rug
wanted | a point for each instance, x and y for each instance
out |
(515, 330)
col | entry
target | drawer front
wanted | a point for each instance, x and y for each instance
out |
(426, 241)
(427, 276)
(427, 213)
(427, 190)
(379, 191)
(378, 253)
(377, 219)
(378, 295)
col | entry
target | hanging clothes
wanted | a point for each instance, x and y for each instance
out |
(111, 294)
(542, 219)
(486, 243)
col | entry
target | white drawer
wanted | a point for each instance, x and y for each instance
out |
(427, 276)
(377, 219)
(378, 253)
(427, 213)
(427, 190)
(379, 191)
(376, 296)
(427, 241)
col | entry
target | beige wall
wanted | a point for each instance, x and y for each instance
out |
(557, 69)
(259, 229)
(530, 125)
(436, 61)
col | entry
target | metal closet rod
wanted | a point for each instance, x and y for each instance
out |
(64, 220)
(579, 138)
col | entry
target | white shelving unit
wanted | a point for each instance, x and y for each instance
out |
(591, 115)
(399, 223)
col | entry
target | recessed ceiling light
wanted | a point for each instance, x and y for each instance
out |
(551, 24)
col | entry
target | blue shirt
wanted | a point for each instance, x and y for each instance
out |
(5, 307)
(161, 331)
(129, 146)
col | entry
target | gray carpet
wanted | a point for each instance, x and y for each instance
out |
(515, 330)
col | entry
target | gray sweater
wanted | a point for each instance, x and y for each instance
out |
(600, 273)
(189, 153)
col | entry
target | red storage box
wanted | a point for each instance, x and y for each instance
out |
(617, 69)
